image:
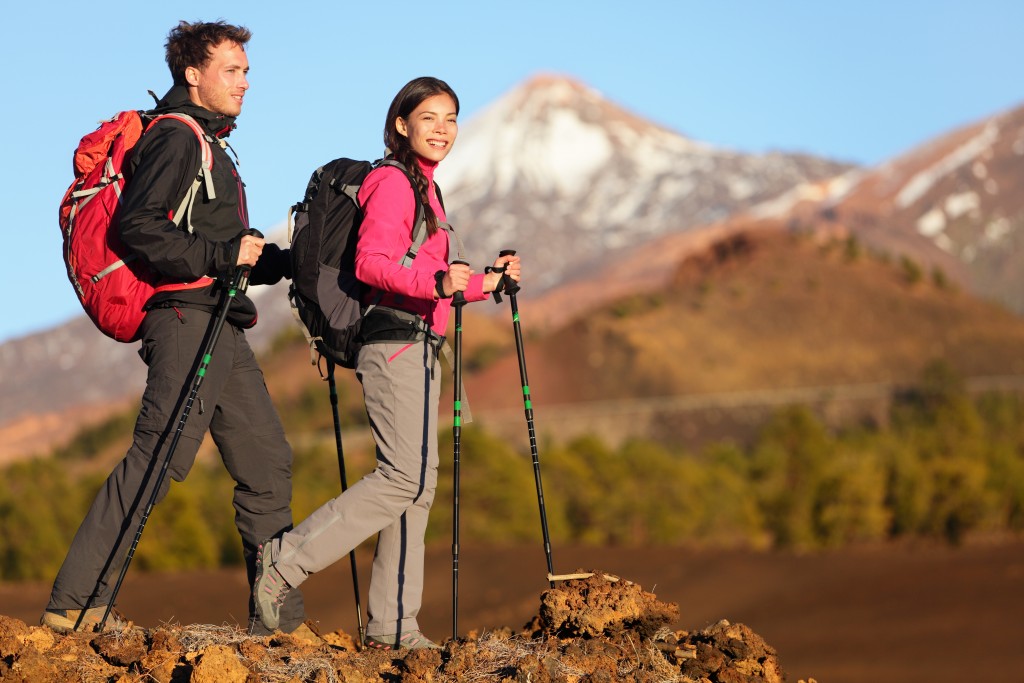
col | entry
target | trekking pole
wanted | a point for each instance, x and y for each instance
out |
(344, 487)
(510, 287)
(458, 301)
(238, 283)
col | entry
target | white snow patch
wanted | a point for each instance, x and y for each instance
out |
(997, 230)
(773, 208)
(979, 170)
(617, 240)
(969, 253)
(959, 204)
(917, 186)
(654, 155)
(831, 191)
(674, 187)
(932, 223)
(571, 151)
(627, 207)
(944, 243)
(991, 186)
(740, 188)
(1018, 146)
(840, 186)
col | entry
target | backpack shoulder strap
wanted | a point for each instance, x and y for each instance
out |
(440, 197)
(460, 248)
(205, 176)
(419, 232)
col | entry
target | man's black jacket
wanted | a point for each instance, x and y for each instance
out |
(163, 166)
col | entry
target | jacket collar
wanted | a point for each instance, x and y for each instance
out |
(428, 167)
(177, 100)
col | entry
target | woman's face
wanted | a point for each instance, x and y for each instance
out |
(431, 127)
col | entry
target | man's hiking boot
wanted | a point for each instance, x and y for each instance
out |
(413, 640)
(64, 620)
(269, 589)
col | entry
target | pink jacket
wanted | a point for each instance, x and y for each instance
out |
(389, 208)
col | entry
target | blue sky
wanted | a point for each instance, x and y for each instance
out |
(857, 81)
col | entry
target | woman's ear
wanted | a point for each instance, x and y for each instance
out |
(400, 126)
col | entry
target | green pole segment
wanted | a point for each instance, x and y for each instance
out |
(458, 301)
(510, 288)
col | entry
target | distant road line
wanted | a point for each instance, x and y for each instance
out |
(759, 398)
(682, 403)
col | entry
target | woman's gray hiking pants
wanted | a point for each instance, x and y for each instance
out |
(234, 405)
(401, 398)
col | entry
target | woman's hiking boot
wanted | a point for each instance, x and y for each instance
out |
(64, 620)
(269, 589)
(412, 640)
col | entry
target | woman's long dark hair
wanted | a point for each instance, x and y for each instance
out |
(405, 102)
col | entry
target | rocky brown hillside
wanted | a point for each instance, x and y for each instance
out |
(592, 628)
(954, 202)
(761, 307)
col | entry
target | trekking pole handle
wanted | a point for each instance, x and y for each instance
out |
(509, 286)
(459, 298)
(240, 282)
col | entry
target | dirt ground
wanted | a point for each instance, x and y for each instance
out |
(905, 613)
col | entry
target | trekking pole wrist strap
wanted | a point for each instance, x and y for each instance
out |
(496, 292)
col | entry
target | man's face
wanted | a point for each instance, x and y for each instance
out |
(221, 84)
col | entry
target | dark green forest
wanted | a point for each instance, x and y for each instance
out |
(943, 465)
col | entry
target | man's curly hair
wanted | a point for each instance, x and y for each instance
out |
(191, 44)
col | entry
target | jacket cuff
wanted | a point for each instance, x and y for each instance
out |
(439, 285)
(274, 263)
(226, 256)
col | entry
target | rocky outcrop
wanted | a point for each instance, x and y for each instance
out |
(592, 627)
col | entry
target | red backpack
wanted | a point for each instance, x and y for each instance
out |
(112, 285)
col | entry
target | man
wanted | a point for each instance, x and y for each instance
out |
(209, 66)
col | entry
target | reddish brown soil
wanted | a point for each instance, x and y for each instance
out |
(906, 613)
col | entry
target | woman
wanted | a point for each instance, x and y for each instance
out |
(408, 313)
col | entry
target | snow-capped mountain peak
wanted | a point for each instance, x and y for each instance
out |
(552, 135)
(568, 177)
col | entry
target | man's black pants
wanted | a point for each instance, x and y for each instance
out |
(233, 403)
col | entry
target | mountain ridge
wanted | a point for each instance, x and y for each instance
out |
(54, 376)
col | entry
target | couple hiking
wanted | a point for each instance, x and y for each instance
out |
(209, 67)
